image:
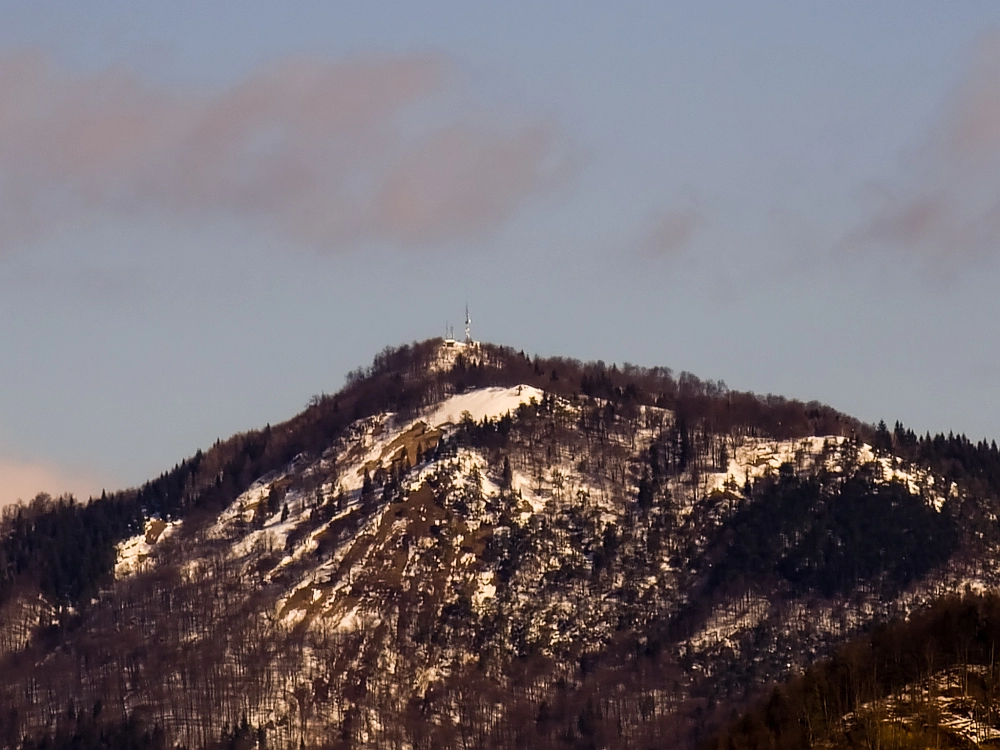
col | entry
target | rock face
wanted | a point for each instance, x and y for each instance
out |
(523, 554)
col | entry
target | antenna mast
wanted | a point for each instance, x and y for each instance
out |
(468, 323)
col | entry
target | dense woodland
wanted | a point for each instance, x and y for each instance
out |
(834, 537)
(842, 701)
(182, 656)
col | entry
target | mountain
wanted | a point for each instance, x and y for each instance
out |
(469, 548)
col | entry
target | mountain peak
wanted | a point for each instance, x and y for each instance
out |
(449, 351)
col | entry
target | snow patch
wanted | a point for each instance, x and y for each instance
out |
(134, 551)
(485, 590)
(484, 403)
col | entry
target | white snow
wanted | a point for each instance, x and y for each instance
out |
(134, 551)
(754, 458)
(728, 621)
(378, 434)
(486, 589)
(484, 403)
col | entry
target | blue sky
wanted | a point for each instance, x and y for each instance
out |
(212, 211)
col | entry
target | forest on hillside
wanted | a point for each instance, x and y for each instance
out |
(181, 654)
(35, 554)
(845, 701)
(884, 690)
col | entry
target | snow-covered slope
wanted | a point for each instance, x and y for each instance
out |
(433, 523)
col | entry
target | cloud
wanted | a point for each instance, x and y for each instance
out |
(464, 180)
(316, 152)
(670, 232)
(945, 211)
(24, 480)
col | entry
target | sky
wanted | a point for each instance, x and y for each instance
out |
(210, 212)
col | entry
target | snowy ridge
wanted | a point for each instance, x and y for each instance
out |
(755, 458)
(373, 444)
(485, 403)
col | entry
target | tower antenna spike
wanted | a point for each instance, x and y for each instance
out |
(468, 324)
